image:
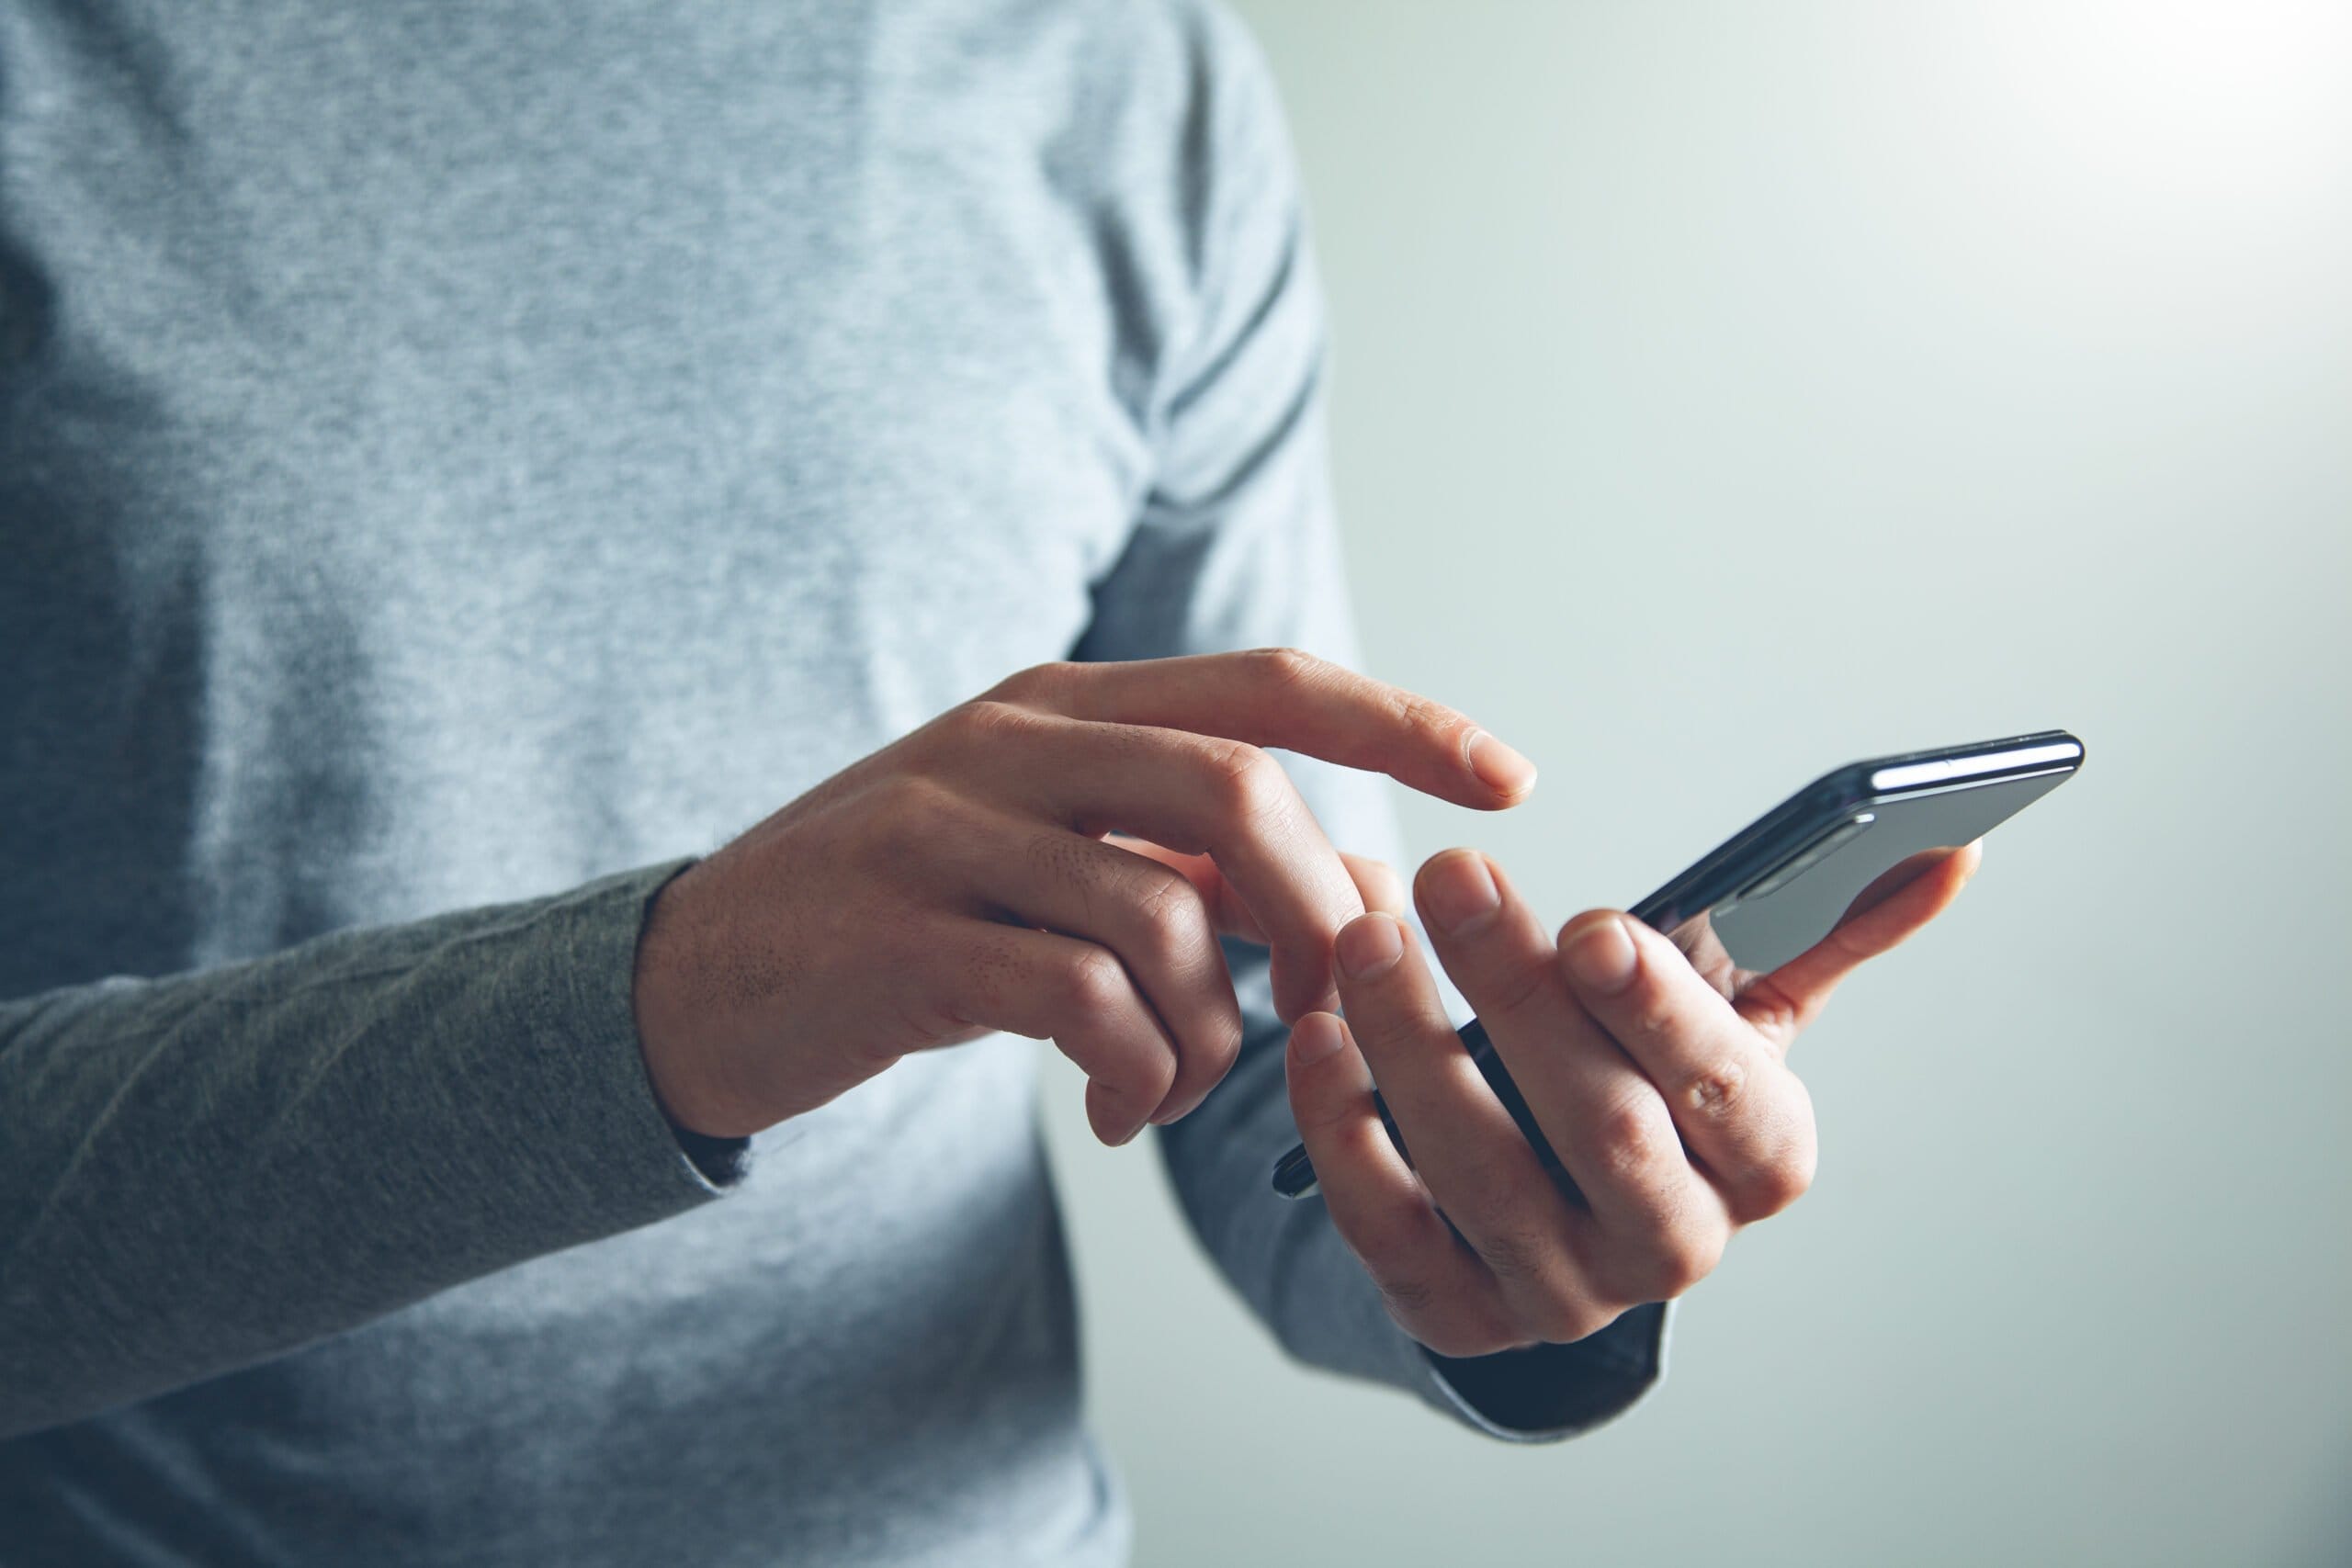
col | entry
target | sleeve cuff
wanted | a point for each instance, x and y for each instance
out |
(1329, 1314)
(721, 1162)
(639, 1166)
(1547, 1393)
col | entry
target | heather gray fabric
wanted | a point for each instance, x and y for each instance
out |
(458, 464)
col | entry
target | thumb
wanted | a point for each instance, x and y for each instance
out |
(1881, 917)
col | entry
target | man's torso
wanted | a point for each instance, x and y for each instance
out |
(450, 453)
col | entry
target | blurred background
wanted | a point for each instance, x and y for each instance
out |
(1726, 391)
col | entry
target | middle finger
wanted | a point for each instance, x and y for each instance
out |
(1663, 1225)
(1741, 1111)
(1481, 1173)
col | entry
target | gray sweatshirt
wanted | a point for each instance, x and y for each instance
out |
(457, 463)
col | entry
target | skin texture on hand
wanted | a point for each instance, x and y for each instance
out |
(1056, 859)
(1660, 1076)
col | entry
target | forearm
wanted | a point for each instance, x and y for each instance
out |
(208, 1169)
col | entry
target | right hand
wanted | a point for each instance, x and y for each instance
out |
(960, 881)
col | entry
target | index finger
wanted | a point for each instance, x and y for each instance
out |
(1280, 698)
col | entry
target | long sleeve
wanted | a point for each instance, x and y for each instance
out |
(200, 1171)
(1237, 547)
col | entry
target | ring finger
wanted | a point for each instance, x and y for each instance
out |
(1049, 987)
(1151, 915)
(1482, 1174)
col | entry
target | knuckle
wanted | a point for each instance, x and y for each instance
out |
(913, 797)
(1775, 1183)
(1054, 856)
(979, 983)
(906, 813)
(1716, 1091)
(1785, 1172)
(1626, 1142)
(1664, 1263)
(1773, 1187)
(1247, 784)
(1059, 858)
(1385, 1227)
(1409, 1298)
(1094, 984)
(987, 720)
(1222, 1048)
(1283, 667)
(1170, 919)
(1682, 1258)
(1768, 1007)
(1512, 1253)
(1034, 685)
(1651, 1010)
(1417, 715)
(1489, 1192)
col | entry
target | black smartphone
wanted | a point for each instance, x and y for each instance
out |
(1780, 885)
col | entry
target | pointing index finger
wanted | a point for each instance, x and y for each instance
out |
(1280, 698)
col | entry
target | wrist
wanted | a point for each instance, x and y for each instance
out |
(667, 1031)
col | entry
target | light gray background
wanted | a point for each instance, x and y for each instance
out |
(1728, 391)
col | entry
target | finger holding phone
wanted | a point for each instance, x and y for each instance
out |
(1660, 1077)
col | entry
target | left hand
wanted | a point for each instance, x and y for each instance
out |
(1660, 1076)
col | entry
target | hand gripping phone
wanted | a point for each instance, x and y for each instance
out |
(1779, 885)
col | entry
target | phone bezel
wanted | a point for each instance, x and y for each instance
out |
(1758, 850)
(1767, 844)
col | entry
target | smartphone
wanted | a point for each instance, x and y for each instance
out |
(1778, 885)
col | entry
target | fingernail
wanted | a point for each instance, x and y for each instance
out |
(1368, 945)
(1315, 1037)
(1461, 892)
(1601, 956)
(1498, 767)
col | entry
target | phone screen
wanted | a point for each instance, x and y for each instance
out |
(1790, 907)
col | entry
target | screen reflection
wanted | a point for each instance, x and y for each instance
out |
(1787, 909)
